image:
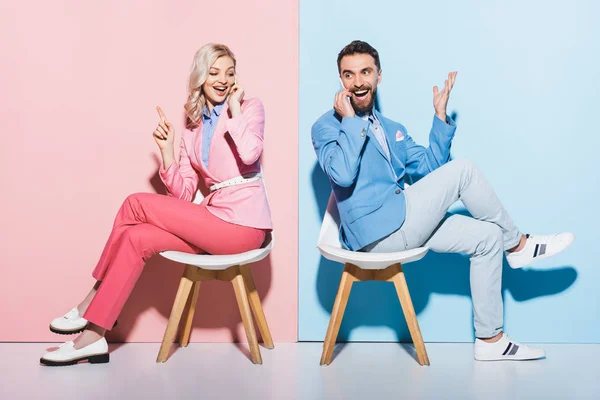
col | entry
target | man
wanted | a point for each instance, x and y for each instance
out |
(368, 158)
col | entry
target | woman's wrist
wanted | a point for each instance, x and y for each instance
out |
(236, 110)
(168, 157)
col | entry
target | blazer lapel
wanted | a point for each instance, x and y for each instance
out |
(390, 135)
(375, 142)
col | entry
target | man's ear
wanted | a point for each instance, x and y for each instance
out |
(379, 77)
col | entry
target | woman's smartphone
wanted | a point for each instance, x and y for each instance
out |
(230, 89)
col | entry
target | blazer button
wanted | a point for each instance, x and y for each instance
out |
(364, 131)
(398, 191)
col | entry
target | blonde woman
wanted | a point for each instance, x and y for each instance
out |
(223, 144)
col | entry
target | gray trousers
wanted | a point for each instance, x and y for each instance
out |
(483, 237)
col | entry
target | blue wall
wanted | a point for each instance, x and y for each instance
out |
(527, 104)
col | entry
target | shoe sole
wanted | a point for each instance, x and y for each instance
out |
(63, 332)
(511, 358)
(93, 359)
(543, 257)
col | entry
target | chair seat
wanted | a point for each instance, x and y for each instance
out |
(221, 262)
(217, 262)
(371, 260)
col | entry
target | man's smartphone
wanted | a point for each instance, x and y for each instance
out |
(343, 87)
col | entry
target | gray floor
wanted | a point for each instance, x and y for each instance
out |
(369, 371)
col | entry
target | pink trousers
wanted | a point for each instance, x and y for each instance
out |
(150, 223)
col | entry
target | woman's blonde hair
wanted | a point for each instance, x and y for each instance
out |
(204, 58)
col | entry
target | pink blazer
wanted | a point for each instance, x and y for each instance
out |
(235, 150)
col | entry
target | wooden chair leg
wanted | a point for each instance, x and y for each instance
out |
(409, 313)
(256, 306)
(188, 316)
(337, 314)
(242, 299)
(183, 293)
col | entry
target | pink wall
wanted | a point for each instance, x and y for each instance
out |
(79, 83)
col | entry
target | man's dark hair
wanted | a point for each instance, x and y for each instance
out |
(359, 47)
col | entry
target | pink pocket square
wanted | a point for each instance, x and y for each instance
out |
(399, 136)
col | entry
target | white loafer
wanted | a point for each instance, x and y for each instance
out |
(69, 323)
(66, 354)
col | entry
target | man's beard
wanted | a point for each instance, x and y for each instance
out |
(367, 107)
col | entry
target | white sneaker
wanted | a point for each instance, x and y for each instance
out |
(69, 323)
(66, 354)
(506, 349)
(538, 248)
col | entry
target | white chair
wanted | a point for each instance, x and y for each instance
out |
(233, 268)
(360, 266)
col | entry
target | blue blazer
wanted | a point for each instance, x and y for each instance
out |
(367, 186)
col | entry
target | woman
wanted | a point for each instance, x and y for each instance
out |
(223, 142)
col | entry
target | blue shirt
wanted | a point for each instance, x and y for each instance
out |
(209, 123)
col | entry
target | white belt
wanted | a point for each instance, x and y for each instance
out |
(238, 180)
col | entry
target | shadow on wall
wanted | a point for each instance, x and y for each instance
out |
(157, 287)
(376, 303)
